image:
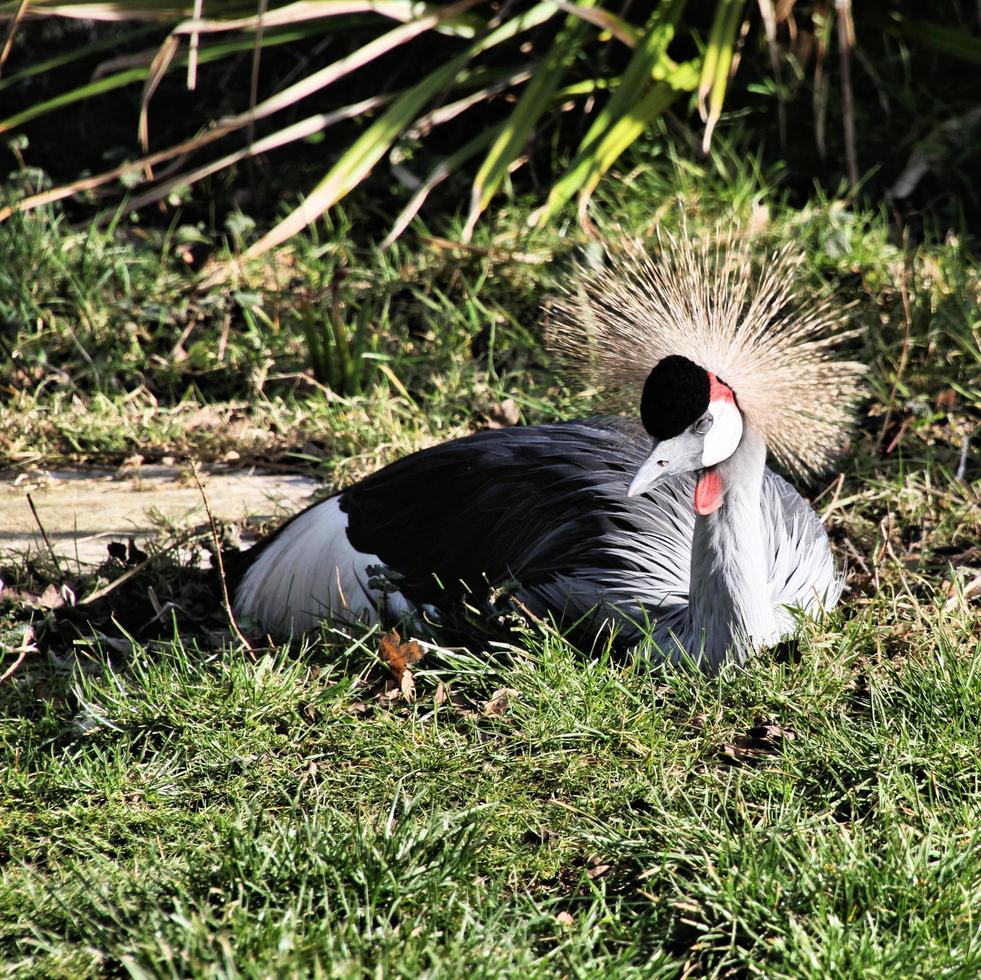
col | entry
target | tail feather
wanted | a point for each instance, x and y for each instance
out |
(308, 571)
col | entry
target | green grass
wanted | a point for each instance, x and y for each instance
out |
(171, 806)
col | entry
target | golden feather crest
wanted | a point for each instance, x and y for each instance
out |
(750, 327)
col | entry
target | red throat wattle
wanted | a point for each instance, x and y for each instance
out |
(708, 492)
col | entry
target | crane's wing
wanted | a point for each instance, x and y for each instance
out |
(802, 569)
(531, 506)
(541, 513)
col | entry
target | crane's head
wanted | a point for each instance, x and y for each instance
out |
(696, 424)
(757, 345)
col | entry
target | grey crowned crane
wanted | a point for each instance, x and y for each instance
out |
(671, 531)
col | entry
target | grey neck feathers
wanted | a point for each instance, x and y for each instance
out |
(730, 601)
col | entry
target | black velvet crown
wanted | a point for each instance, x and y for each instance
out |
(676, 394)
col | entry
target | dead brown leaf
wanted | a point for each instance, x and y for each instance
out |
(206, 417)
(457, 703)
(765, 738)
(971, 590)
(51, 598)
(408, 686)
(503, 416)
(499, 702)
(399, 656)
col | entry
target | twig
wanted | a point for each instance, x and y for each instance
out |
(904, 353)
(26, 646)
(838, 483)
(846, 42)
(135, 570)
(226, 600)
(965, 449)
(44, 534)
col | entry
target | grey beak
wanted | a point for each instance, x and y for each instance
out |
(680, 454)
(652, 471)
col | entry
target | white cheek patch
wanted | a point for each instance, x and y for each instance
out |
(727, 429)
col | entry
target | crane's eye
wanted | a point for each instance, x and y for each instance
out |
(703, 424)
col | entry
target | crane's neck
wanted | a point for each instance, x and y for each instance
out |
(729, 600)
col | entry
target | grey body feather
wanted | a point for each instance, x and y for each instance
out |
(710, 588)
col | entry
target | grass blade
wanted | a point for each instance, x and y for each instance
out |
(623, 133)
(132, 10)
(846, 44)
(514, 134)
(132, 75)
(406, 11)
(716, 64)
(369, 148)
(952, 41)
(8, 41)
(290, 134)
(436, 177)
(73, 55)
(158, 68)
(605, 20)
(366, 151)
(647, 57)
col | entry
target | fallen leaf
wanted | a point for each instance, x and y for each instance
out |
(392, 691)
(206, 417)
(408, 685)
(772, 732)
(598, 871)
(498, 703)
(971, 591)
(51, 598)
(503, 416)
(397, 655)
(764, 739)
(462, 707)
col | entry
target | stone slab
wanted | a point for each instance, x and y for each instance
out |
(83, 510)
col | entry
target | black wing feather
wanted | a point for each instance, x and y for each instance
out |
(522, 503)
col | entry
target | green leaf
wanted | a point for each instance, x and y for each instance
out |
(649, 60)
(716, 64)
(534, 102)
(944, 40)
(376, 141)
